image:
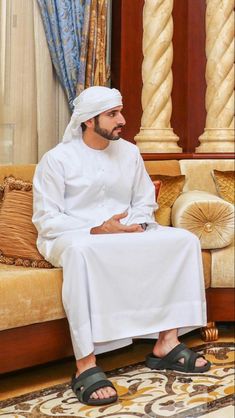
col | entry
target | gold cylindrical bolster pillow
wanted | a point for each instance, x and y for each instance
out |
(205, 215)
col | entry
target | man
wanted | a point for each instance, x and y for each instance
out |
(124, 276)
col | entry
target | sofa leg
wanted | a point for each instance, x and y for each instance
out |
(210, 332)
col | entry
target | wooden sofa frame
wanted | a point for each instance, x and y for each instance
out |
(49, 341)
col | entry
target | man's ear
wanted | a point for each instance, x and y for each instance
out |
(89, 123)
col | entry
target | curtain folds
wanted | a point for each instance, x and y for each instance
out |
(34, 103)
(76, 37)
(34, 108)
(97, 72)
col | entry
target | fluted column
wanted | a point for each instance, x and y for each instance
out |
(156, 134)
(218, 135)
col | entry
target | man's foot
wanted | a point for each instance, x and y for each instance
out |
(162, 348)
(89, 383)
(169, 353)
(103, 393)
(88, 363)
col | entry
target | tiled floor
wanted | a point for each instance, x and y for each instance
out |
(26, 381)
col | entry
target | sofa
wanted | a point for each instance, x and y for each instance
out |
(33, 326)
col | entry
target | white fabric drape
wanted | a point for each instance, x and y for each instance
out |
(34, 110)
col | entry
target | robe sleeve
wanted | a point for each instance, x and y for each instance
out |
(49, 216)
(143, 202)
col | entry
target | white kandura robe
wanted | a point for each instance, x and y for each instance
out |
(115, 286)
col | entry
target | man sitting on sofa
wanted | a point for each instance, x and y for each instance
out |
(124, 276)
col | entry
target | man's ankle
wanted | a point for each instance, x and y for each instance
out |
(168, 336)
(85, 363)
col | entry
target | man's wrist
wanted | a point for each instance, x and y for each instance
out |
(144, 226)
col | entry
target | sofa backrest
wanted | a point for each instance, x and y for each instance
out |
(166, 167)
(24, 172)
(199, 173)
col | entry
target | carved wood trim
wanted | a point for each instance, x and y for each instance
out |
(210, 332)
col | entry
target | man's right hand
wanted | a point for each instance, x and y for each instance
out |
(114, 226)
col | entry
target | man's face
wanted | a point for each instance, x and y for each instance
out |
(109, 123)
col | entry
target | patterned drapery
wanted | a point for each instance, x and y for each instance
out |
(76, 36)
(97, 71)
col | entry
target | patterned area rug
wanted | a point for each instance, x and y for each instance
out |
(144, 393)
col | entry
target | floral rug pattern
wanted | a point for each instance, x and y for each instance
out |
(143, 393)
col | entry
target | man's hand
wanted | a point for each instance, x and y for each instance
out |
(113, 226)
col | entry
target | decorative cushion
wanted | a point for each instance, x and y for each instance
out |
(170, 189)
(17, 232)
(207, 216)
(225, 184)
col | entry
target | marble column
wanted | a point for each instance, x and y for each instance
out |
(218, 135)
(156, 134)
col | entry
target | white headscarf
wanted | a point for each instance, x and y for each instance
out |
(91, 102)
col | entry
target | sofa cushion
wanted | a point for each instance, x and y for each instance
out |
(224, 183)
(170, 189)
(207, 216)
(29, 295)
(17, 233)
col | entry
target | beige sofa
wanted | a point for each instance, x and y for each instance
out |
(33, 326)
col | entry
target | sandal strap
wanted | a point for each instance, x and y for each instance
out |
(88, 382)
(86, 394)
(190, 358)
(180, 351)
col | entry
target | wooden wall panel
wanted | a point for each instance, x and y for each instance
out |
(189, 65)
(127, 33)
(188, 94)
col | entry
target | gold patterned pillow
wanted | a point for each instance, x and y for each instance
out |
(170, 188)
(225, 184)
(17, 233)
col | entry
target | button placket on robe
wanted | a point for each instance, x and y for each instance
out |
(102, 188)
(103, 194)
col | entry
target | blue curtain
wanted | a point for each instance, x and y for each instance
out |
(66, 24)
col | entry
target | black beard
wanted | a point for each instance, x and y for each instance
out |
(106, 134)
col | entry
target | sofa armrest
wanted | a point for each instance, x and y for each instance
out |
(205, 215)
